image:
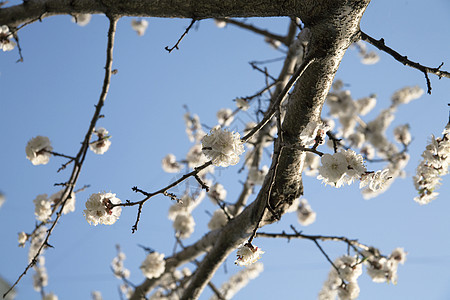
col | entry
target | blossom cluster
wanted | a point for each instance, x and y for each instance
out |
(222, 147)
(100, 209)
(117, 266)
(153, 265)
(38, 150)
(247, 254)
(102, 144)
(436, 159)
(5, 39)
(384, 269)
(139, 25)
(343, 283)
(306, 216)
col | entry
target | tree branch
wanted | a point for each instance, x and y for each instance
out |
(404, 59)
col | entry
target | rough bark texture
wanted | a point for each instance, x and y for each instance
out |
(334, 25)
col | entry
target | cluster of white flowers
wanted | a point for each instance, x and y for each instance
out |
(313, 133)
(5, 39)
(242, 104)
(406, 95)
(218, 220)
(193, 127)
(56, 198)
(22, 239)
(170, 165)
(376, 180)
(96, 295)
(38, 149)
(82, 19)
(222, 147)
(384, 269)
(247, 254)
(184, 225)
(43, 207)
(343, 284)
(50, 296)
(100, 210)
(436, 159)
(225, 117)
(341, 167)
(102, 144)
(153, 265)
(402, 134)
(239, 281)
(217, 193)
(36, 240)
(117, 266)
(367, 57)
(40, 278)
(305, 215)
(139, 25)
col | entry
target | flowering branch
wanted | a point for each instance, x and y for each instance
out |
(404, 59)
(79, 159)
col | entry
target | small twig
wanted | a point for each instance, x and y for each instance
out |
(201, 182)
(254, 29)
(181, 38)
(265, 72)
(404, 59)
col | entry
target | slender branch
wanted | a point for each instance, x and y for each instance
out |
(257, 30)
(404, 59)
(181, 38)
(82, 153)
(280, 98)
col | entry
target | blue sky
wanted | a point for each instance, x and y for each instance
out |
(53, 93)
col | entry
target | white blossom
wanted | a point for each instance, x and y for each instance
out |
(218, 220)
(348, 291)
(376, 181)
(333, 168)
(247, 254)
(50, 296)
(217, 193)
(370, 58)
(40, 278)
(225, 116)
(170, 165)
(81, 19)
(436, 159)
(242, 104)
(117, 266)
(140, 26)
(153, 265)
(196, 158)
(5, 39)
(37, 238)
(193, 127)
(349, 268)
(306, 216)
(96, 295)
(313, 133)
(184, 225)
(381, 269)
(100, 210)
(366, 104)
(23, 237)
(402, 134)
(37, 150)
(220, 23)
(70, 203)
(222, 147)
(43, 208)
(102, 144)
(406, 94)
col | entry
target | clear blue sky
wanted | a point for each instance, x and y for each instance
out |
(53, 93)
